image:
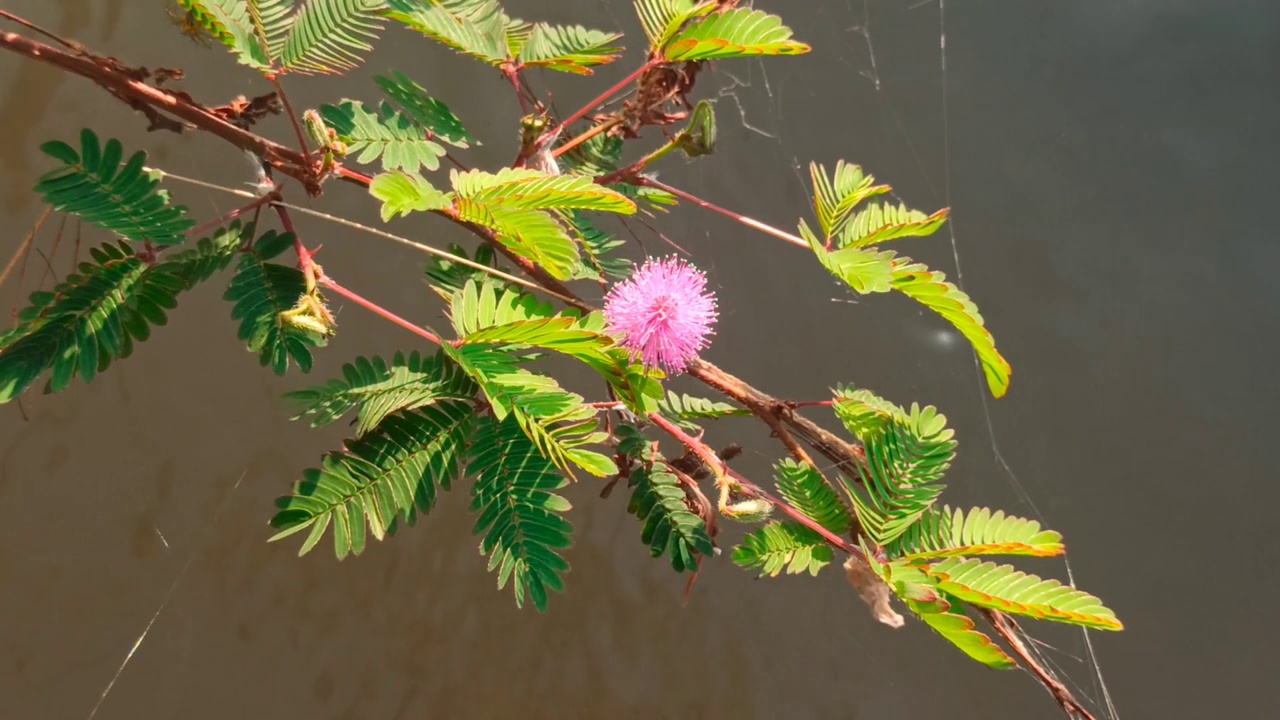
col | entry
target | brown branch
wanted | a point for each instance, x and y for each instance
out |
(104, 73)
(1006, 628)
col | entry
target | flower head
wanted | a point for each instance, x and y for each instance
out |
(663, 313)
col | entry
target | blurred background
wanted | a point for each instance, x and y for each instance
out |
(1107, 163)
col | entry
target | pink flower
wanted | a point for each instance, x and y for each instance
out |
(663, 313)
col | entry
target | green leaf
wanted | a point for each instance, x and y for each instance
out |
(121, 198)
(260, 292)
(804, 488)
(211, 255)
(670, 527)
(446, 277)
(402, 194)
(879, 223)
(532, 234)
(568, 48)
(597, 246)
(391, 472)
(481, 303)
(866, 271)
(518, 512)
(233, 23)
(836, 195)
(918, 593)
(931, 289)
(80, 327)
(558, 422)
(330, 36)
(478, 28)
(93, 316)
(947, 533)
(393, 138)
(1001, 587)
(740, 32)
(683, 409)
(379, 389)
(431, 114)
(907, 453)
(662, 18)
(529, 189)
(782, 546)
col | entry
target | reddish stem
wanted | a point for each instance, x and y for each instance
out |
(293, 119)
(602, 98)
(330, 284)
(718, 465)
(749, 222)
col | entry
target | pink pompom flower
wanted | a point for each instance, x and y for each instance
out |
(663, 313)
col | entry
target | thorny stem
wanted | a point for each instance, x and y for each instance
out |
(749, 222)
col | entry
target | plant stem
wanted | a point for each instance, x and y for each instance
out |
(722, 470)
(594, 131)
(749, 222)
(293, 119)
(603, 97)
(631, 171)
(330, 284)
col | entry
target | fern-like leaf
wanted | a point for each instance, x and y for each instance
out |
(836, 195)
(569, 48)
(122, 198)
(390, 473)
(1001, 587)
(233, 23)
(378, 389)
(93, 316)
(947, 533)
(558, 422)
(477, 28)
(529, 189)
(388, 136)
(670, 528)
(432, 115)
(519, 513)
(535, 235)
(741, 32)
(402, 193)
(931, 289)
(597, 246)
(78, 328)
(330, 36)
(261, 292)
(662, 18)
(684, 409)
(781, 546)
(447, 277)
(804, 488)
(907, 453)
(919, 594)
(880, 223)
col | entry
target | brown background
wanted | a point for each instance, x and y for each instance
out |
(1110, 165)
